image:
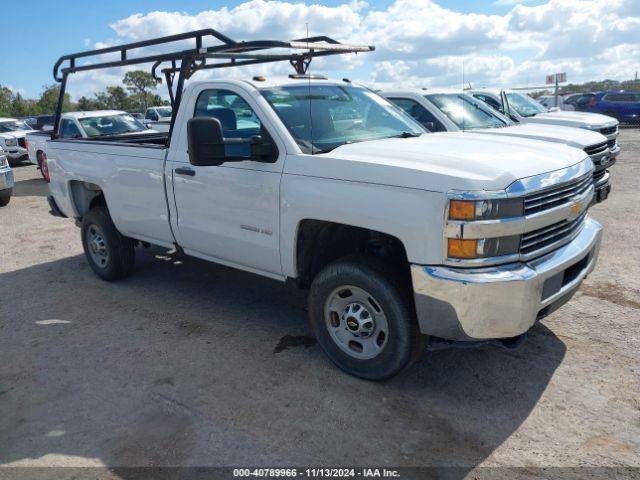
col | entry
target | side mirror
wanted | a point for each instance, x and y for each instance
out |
(554, 109)
(205, 140)
(429, 126)
(208, 147)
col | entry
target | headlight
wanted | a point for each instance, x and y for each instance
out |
(3, 161)
(482, 247)
(465, 213)
(11, 142)
(494, 209)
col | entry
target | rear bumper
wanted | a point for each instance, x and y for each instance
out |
(506, 300)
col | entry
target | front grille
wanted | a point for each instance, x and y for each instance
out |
(609, 130)
(557, 195)
(611, 143)
(22, 142)
(550, 237)
(596, 149)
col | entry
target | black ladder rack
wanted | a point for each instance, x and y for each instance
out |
(227, 53)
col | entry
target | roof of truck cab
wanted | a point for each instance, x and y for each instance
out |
(91, 114)
(279, 81)
(7, 119)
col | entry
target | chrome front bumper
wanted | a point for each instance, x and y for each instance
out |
(615, 151)
(602, 188)
(506, 300)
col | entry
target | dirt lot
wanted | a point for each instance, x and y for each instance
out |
(188, 363)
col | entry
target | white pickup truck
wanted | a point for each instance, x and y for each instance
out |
(398, 233)
(6, 180)
(158, 118)
(451, 110)
(90, 124)
(524, 109)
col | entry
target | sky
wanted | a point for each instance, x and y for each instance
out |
(419, 43)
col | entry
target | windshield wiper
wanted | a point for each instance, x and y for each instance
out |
(406, 135)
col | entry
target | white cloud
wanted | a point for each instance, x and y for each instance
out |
(419, 42)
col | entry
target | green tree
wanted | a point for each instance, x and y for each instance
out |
(141, 84)
(6, 96)
(49, 100)
(114, 98)
(20, 107)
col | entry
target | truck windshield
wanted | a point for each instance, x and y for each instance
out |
(467, 112)
(525, 105)
(13, 126)
(111, 125)
(323, 117)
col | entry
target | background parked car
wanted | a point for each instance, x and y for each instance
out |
(40, 122)
(6, 180)
(622, 105)
(13, 139)
(439, 109)
(158, 118)
(522, 108)
(84, 125)
(565, 101)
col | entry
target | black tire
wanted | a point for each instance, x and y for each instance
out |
(120, 250)
(389, 291)
(4, 201)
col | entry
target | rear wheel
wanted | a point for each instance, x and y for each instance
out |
(4, 201)
(362, 318)
(110, 254)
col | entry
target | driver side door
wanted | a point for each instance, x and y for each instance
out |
(228, 213)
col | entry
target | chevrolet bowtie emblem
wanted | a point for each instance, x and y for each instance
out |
(576, 208)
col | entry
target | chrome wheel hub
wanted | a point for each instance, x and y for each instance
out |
(97, 246)
(356, 323)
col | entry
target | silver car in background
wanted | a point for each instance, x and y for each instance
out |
(6, 180)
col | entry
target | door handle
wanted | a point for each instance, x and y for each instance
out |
(185, 171)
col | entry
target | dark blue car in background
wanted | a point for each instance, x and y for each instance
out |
(623, 105)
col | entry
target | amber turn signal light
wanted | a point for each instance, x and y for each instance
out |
(461, 248)
(462, 210)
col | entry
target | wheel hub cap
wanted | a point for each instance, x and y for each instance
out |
(356, 322)
(97, 246)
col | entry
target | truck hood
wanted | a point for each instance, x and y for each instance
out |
(574, 137)
(574, 119)
(439, 161)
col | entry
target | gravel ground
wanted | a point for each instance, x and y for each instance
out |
(192, 364)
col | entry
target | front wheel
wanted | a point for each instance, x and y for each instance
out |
(4, 201)
(110, 254)
(362, 319)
